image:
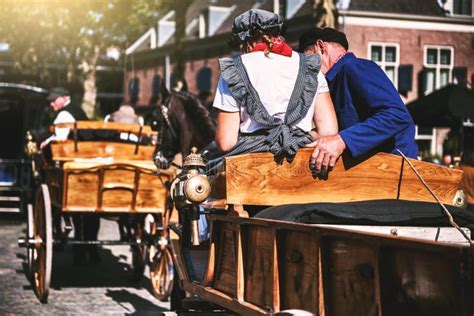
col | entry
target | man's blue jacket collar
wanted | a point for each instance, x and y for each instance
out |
(335, 68)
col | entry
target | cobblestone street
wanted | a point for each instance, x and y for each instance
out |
(103, 289)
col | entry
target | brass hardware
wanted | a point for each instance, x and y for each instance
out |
(197, 189)
(460, 199)
(195, 233)
(31, 148)
(194, 159)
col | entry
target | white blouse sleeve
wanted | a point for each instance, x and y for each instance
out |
(224, 100)
(322, 84)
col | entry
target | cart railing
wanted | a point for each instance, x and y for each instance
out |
(69, 150)
(135, 129)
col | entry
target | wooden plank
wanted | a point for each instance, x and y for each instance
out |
(349, 277)
(226, 261)
(423, 281)
(115, 126)
(443, 234)
(298, 254)
(65, 151)
(259, 258)
(444, 181)
(378, 177)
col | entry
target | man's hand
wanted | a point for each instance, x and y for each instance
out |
(43, 145)
(326, 151)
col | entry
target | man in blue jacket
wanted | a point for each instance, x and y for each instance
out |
(371, 115)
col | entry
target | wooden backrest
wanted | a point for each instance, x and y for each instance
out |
(66, 151)
(119, 127)
(256, 179)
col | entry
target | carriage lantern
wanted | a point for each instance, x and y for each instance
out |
(190, 189)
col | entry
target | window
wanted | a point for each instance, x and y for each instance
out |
(166, 28)
(292, 7)
(386, 55)
(426, 139)
(438, 63)
(211, 19)
(462, 7)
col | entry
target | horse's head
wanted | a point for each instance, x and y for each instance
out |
(182, 122)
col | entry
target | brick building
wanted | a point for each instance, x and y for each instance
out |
(421, 45)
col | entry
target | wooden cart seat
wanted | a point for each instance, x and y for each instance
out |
(382, 176)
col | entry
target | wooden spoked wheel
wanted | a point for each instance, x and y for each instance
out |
(162, 271)
(139, 253)
(43, 248)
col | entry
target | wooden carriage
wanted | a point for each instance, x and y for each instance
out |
(262, 266)
(102, 177)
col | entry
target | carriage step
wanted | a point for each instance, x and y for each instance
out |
(10, 198)
(10, 209)
(10, 203)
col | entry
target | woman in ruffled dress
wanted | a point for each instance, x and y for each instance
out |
(270, 98)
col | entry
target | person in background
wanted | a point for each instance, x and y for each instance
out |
(125, 114)
(371, 115)
(67, 112)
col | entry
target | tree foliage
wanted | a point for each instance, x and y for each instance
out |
(72, 32)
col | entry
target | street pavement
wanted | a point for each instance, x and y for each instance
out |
(106, 288)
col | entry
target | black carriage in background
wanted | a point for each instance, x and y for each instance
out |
(22, 108)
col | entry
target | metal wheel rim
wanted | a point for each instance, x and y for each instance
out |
(43, 251)
(29, 236)
(162, 274)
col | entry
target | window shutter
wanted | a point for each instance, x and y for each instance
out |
(460, 75)
(155, 86)
(405, 78)
(422, 83)
(134, 89)
(203, 79)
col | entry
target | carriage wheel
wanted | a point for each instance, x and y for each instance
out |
(29, 236)
(43, 249)
(162, 272)
(139, 253)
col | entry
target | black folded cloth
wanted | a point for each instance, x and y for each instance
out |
(375, 212)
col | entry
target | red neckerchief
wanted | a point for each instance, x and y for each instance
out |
(279, 47)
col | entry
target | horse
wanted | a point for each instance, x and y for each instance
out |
(182, 122)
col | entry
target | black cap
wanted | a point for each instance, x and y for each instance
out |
(325, 34)
(57, 92)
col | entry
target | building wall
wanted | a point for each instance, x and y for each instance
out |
(412, 44)
(145, 76)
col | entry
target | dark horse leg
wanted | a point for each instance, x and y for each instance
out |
(86, 228)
